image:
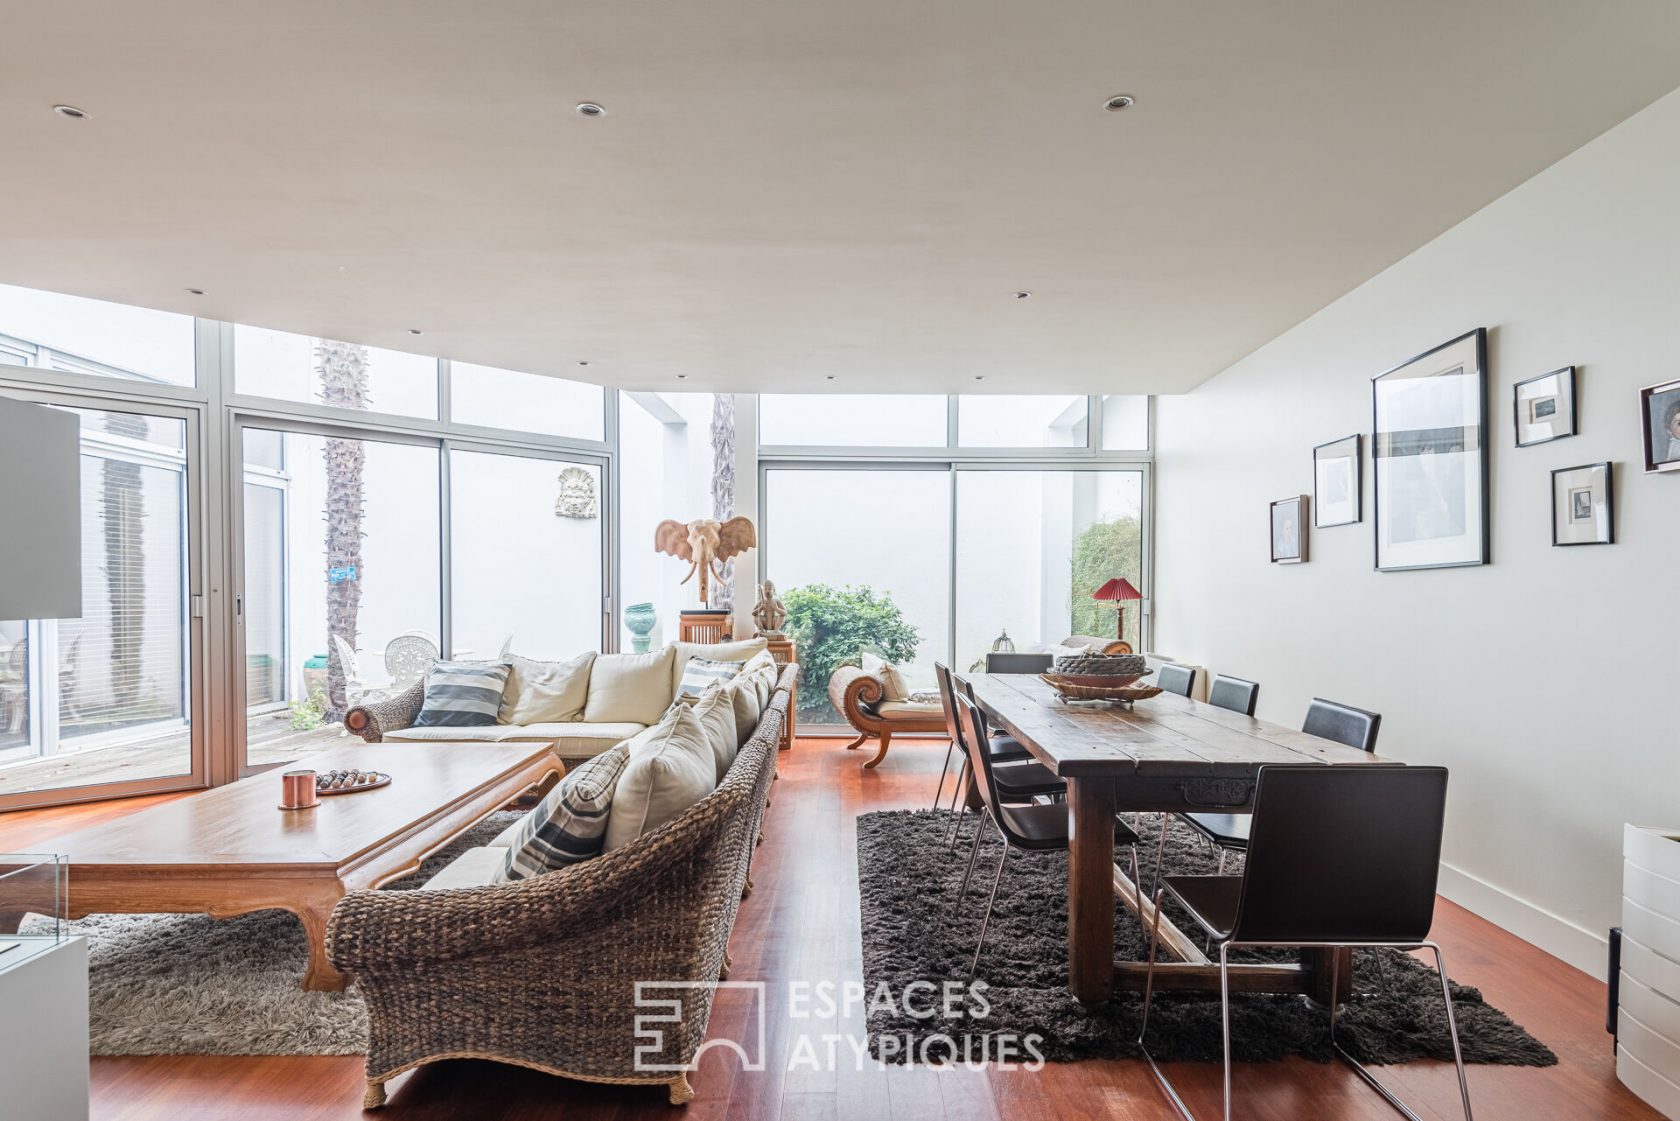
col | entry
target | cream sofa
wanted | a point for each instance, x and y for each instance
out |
(609, 699)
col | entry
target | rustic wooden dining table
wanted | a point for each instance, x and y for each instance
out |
(1163, 755)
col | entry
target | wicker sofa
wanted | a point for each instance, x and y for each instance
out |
(543, 973)
(861, 698)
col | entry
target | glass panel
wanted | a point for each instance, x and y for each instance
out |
(494, 398)
(1069, 532)
(113, 701)
(341, 557)
(1021, 421)
(892, 589)
(852, 420)
(57, 332)
(670, 445)
(1125, 423)
(526, 556)
(344, 375)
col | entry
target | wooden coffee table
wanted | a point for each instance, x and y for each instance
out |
(231, 850)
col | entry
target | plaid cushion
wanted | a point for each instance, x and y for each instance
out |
(462, 694)
(701, 672)
(570, 823)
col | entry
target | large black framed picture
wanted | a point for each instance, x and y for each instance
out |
(1337, 482)
(1429, 458)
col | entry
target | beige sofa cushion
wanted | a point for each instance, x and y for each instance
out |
(574, 740)
(893, 685)
(630, 688)
(888, 710)
(545, 692)
(473, 868)
(716, 651)
(670, 769)
(486, 733)
(743, 698)
(716, 712)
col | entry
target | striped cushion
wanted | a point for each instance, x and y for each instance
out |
(462, 694)
(701, 672)
(570, 823)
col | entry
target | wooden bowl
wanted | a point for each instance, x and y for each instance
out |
(1072, 689)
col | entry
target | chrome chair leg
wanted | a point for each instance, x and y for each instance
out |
(1161, 848)
(957, 796)
(986, 920)
(973, 854)
(1225, 1017)
(1222, 855)
(1148, 994)
(944, 773)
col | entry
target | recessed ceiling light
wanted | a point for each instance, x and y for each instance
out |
(1118, 102)
(1023, 295)
(71, 111)
(979, 377)
(829, 377)
(196, 291)
(414, 330)
(681, 376)
(583, 363)
(590, 109)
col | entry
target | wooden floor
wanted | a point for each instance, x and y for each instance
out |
(802, 923)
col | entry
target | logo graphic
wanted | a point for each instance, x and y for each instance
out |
(666, 1003)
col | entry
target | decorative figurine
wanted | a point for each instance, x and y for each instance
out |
(705, 544)
(768, 612)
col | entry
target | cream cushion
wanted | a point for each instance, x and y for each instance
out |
(630, 688)
(575, 740)
(545, 692)
(889, 709)
(473, 868)
(893, 686)
(670, 769)
(716, 712)
(743, 698)
(715, 651)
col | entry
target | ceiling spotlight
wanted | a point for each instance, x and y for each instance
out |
(681, 376)
(1023, 295)
(583, 363)
(70, 111)
(979, 377)
(828, 377)
(590, 109)
(414, 330)
(196, 291)
(1118, 102)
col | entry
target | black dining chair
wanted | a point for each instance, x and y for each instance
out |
(1344, 724)
(1036, 827)
(1234, 693)
(1175, 678)
(1002, 662)
(1029, 778)
(1340, 857)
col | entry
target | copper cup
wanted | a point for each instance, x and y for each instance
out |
(297, 790)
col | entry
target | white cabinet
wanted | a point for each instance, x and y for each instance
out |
(1648, 1017)
(44, 1052)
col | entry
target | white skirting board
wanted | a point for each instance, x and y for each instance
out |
(1585, 950)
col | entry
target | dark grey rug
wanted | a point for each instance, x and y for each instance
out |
(193, 985)
(913, 932)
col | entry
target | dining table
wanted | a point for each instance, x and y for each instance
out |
(1167, 754)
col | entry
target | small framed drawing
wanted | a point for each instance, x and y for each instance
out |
(1289, 530)
(1583, 505)
(1337, 480)
(1429, 458)
(1659, 415)
(1545, 407)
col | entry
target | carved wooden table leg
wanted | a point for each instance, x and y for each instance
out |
(1091, 889)
(320, 976)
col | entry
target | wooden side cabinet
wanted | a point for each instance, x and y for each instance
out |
(784, 650)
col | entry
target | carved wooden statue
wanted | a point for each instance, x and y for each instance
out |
(705, 544)
(769, 613)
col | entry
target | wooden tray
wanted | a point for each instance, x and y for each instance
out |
(1069, 689)
(380, 778)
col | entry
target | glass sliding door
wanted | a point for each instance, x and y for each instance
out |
(527, 562)
(864, 557)
(104, 704)
(1031, 548)
(342, 592)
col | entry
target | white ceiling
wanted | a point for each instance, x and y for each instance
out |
(788, 189)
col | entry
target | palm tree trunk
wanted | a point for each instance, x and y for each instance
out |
(723, 487)
(343, 369)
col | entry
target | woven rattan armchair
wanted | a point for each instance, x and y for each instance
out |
(544, 973)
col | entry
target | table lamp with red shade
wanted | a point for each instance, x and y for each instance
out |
(1118, 591)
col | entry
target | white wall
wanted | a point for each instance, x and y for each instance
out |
(1545, 681)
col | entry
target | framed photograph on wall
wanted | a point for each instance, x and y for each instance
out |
(1583, 505)
(1429, 458)
(1659, 415)
(1337, 481)
(1289, 530)
(1545, 407)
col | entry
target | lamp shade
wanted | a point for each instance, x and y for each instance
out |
(1118, 588)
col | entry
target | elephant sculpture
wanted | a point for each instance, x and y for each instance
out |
(705, 544)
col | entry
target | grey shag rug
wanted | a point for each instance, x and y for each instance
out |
(913, 932)
(193, 985)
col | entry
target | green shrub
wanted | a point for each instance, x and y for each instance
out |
(833, 626)
(1103, 551)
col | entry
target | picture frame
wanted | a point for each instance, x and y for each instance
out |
(1659, 420)
(1289, 530)
(1584, 505)
(1338, 482)
(1543, 407)
(1429, 459)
